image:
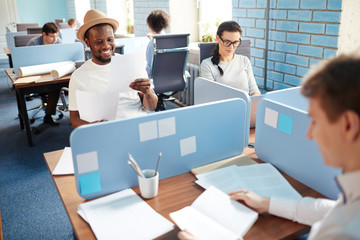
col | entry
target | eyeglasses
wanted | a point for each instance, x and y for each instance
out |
(228, 43)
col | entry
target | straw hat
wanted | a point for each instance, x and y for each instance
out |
(92, 18)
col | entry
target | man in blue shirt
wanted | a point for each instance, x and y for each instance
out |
(50, 35)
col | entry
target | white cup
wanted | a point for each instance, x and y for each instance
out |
(149, 184)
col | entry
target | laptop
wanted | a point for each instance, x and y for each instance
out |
(254, 102)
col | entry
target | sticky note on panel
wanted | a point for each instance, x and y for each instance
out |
(89, 183)
(166, 127)
(271, 117)
(148, 131)
(87, 162)
(188, 145)
(285, 123)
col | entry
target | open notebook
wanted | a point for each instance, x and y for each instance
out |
(213, 215)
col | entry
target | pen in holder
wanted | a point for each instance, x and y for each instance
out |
(149, 183)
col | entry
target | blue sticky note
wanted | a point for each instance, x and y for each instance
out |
(89, 183)
(285, 123)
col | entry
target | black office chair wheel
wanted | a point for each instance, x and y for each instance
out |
(61, 116)
(35, 130)
(32, 120)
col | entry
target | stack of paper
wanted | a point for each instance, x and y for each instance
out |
(123, 215)
(213, 215)
(263, 179)
(65, 165)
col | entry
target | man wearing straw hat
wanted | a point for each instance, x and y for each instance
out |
(94, 75)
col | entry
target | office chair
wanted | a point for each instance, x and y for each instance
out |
(34, 30)
(207, 49)
(168, 65)
(21, 27)
(64, 91)
(58, 21)
(22, 40)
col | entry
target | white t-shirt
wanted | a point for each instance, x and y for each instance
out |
(328, 219)
(92, 77)
(237, 73)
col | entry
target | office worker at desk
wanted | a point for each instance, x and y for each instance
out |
(158, 21)
(50, 35)
(225, 66)
(94, 75)
(333, 90)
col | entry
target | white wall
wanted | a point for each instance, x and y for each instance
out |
(349, 31)
(184, 18)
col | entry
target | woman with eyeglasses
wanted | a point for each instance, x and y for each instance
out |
(225, 66)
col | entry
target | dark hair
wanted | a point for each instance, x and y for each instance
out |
(229, 26)
(337, 83)
(86, 35)
(158, 20)
(50, 27)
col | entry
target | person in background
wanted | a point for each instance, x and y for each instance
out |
(72, 23)
(225, 66)
(49, 35)
(94, 75)
(158, 21)
(333, 89)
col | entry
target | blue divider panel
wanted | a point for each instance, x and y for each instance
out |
(42, 54)
(281, 124)
(68, 35)
(206, 91)
(10, 42)
(188, 137)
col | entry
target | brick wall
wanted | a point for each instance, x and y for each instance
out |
(301, 33)
(142, 8)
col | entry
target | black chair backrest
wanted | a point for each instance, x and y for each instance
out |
(57, 21)
(63, 25)
(169, 62)
(34, 30)
(167, 41)
(20, 27)
(207, 49)
(22, 40)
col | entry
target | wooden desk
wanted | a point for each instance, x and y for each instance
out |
(175, 193)
(8, 53)
(42, 86)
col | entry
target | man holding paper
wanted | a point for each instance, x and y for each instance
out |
(50, 35)
(94, 77)
(333, 89)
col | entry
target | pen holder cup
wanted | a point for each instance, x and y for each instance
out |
(149, 184)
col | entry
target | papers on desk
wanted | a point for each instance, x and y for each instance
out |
(30, 79)
(123, 215)
(65, 165)
(97, 106)
(213, 215)
(43, 68)
(262, 178)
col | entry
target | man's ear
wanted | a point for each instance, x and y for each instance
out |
(43, 34)
(87, 42)
(352, 127)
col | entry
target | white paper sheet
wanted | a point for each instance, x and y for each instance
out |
(263, 179)
(123, 215)
(65, 165)
(63, 70)
(124, 69)
(87, 162)
(97, 106)
(40, 69)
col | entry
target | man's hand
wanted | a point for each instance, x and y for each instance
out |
(254, 201)
(141, 84)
